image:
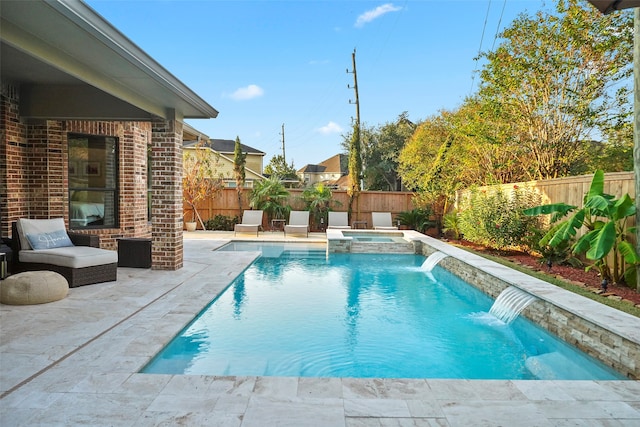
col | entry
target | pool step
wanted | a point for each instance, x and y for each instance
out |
(382, 247)
(293, 254)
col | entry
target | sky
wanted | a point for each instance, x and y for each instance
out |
(264, 64)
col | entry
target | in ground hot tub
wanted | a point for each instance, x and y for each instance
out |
(371, 241)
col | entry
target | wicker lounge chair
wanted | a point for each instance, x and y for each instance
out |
(382, 221)
(298, 223)
(339, 220)
(251, 222)
(84, 263)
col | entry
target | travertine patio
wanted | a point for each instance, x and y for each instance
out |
(75, 362)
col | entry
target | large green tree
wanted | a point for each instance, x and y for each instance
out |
(556, 78)
(278, 167)
(382, 154)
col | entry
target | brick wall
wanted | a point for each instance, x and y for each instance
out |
(166, 199)
(13, 157)
(34, 175)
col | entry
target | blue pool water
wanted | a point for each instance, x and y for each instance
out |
(301, 313)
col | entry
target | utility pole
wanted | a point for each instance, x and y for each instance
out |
(357, 125)
(284, 157)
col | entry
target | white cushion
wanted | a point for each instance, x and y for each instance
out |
(72, 256)
(37, 226)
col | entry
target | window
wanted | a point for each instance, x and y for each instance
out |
(93, 179)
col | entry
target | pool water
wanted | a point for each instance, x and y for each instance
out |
(375, 237)
(301, 313)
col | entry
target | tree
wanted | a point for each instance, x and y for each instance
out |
(270, 196)
(355, 166)
(318, 201)
(382, 154)
(556, 78)
(199, 180)
(239, 161)
(615, 153)
(278, 167)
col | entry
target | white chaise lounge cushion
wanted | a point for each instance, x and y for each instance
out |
(37, 226)
(71, 256)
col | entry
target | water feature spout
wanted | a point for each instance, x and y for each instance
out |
(510, 304)
(432, 260)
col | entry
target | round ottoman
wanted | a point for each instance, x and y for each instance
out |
(33, 287)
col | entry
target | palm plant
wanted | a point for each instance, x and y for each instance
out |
(270, 196)
(318, 200)
(418, 219)
(451, 225)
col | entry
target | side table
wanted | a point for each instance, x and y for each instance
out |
(358, 224)
(281, 223)
(134, 252)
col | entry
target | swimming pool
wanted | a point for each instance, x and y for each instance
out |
(375, 236)
(301, 313)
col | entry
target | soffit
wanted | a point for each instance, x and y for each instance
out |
(56, 43)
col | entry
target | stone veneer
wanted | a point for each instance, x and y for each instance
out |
(605, 333)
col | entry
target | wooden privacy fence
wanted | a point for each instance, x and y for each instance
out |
(570, 190)
(226, 203)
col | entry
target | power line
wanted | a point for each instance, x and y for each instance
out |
(484, 27)
(495, 37)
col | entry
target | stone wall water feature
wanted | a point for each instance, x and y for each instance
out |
(605, 333)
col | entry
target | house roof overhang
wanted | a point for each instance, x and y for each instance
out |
(70, 63)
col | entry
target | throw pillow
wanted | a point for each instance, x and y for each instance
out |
(54, 239)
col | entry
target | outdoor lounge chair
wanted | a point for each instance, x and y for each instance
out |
(45, 244)
(298, 223)
(251, 221)
(382, 221)
(338, 220)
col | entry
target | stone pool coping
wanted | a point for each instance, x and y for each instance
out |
(75, 361)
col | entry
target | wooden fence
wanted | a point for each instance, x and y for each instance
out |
(226, 203)
(570, 190)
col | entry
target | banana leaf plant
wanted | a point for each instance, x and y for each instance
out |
(607, 240)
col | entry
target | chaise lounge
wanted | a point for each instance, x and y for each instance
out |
(298, 223)
(338, 220)
(382, 221)
(251, 222)
(45, 244)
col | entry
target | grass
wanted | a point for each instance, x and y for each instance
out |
(618, 305)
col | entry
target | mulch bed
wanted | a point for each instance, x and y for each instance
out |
(577, 275)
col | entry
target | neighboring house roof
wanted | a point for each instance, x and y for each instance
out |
(226, 157)
(107, 76)
(334, 164)
(226, 146)
(312, 169)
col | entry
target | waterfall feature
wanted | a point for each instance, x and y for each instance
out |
(432, 260)
(510, 303)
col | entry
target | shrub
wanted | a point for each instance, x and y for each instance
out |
(451, 225)
(221, 223)
(416, 219)
(495, 219)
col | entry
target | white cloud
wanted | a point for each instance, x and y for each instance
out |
(379, 11)
(249, 92)
(329, 128)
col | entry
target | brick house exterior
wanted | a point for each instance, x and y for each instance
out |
(44, 99)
